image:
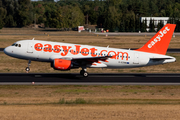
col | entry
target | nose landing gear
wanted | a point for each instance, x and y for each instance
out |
(28, 68)
(84, 72)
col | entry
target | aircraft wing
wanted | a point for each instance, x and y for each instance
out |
(84, 61)
(88, 61)
(93, 59)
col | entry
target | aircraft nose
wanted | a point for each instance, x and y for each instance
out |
(7, 50)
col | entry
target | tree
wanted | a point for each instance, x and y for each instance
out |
(48, 0)
(169, 11)
(1, 23)
(53, 16)
(9, 21)
(112, 19)
(101, 17)
(144, 26)
(177, 22)
(122, 26)
(3, 13)
(151, 26)
(153, 9)
(110, 14)
(160, 25)
(137, 24)
(129, 21)
(39, 11)
(24, 14)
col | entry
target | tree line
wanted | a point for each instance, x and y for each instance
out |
(114, 15)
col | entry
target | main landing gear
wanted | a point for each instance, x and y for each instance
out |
(84, 73)
(28, 68)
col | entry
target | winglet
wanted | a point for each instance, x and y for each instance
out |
(160, 41)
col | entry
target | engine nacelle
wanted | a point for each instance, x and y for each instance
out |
(61, 64)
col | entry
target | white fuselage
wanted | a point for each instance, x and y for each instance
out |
(47, 51)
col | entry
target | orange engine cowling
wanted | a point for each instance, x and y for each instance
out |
(61, 64)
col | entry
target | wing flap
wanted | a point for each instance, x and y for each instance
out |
(92, 58)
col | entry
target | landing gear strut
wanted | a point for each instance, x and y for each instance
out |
(28, 68)
(84, 73)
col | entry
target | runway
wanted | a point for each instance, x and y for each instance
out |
(1, 49)
(130, 34)
(86, 33)
(92, 79)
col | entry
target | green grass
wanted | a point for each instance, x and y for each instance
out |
(75, 94)
(76, 101)
(107, 86)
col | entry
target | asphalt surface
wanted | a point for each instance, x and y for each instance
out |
(1, 49)
(92, 79)
(130, 34)
(86, 33)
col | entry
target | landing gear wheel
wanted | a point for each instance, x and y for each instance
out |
(27, 69)
(85, 74)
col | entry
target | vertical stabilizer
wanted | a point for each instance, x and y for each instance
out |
(160, 41)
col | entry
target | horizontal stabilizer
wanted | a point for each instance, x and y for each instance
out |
(160, 58)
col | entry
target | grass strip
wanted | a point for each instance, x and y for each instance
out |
(78, 101)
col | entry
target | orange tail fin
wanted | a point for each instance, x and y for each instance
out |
(160, 41)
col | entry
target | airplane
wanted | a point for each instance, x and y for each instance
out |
(66, 56)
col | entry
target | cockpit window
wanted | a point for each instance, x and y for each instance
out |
(13, 44)
(16, 45)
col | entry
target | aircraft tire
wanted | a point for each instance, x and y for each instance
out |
(85, 74)
(27, 69)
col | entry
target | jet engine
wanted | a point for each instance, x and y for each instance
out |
(61, 64)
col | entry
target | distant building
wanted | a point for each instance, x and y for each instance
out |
(156, 20)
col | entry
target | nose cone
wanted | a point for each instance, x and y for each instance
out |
(7, 50)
